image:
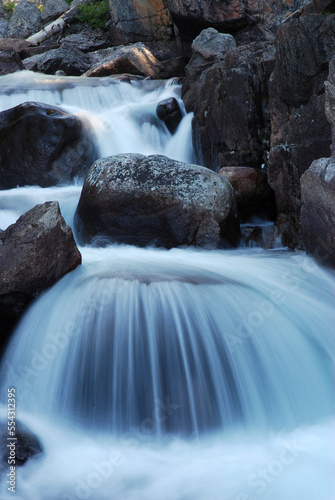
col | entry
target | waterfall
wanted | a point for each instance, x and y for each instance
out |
(177, 374)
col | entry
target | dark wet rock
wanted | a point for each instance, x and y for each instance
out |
(318, 210)
(154, 200)
(27, 446)
(300, 132)
(170, 113)
(43, 145)
(35, 252)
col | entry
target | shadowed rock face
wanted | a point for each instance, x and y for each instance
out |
(318, 210)
(231, 123)
(154, 200)
(253, 193)
(42, 145)
(35, 252)
(25, 21)
(300, 132)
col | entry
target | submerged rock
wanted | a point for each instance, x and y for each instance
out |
(35, 252)
(27, 446)
(42, 145)
(139, 200)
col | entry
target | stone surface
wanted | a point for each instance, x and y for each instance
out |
(318, 210)
(330, 102)
(35, 252)
(231, 125)
(170, 113)
(25, 21)
(300, 131)
(253, 193)
(324, 6)
(135, 60)
(53, 9)
(43, 145)
(140, 20)
(67, 58)
(154, 200)
(207, 48)
(10, 62)
(16, 44)
(193, 15)
(87, 40)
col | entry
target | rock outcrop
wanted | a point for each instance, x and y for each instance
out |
(207, 48)
(318, 210)
(140, 20)
(139, 200)
(300, 131)
(43, 145)
(231, 125)
(35, 252)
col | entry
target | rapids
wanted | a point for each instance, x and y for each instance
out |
(176, 374)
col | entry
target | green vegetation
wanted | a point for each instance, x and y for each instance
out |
(9, 6)
(96, 14)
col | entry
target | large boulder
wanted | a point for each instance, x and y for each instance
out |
(254, 197)
(318, 210)
(136, 59)
(300, 131)
(231, 125)
(140, 20)
(35, 252)
(43, 145)
(25, 21)
(67, 58)
(207, 48)
(140, 200)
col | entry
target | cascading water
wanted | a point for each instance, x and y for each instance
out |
(181, 374)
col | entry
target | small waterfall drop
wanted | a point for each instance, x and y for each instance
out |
(121, 115)
(180, 374)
